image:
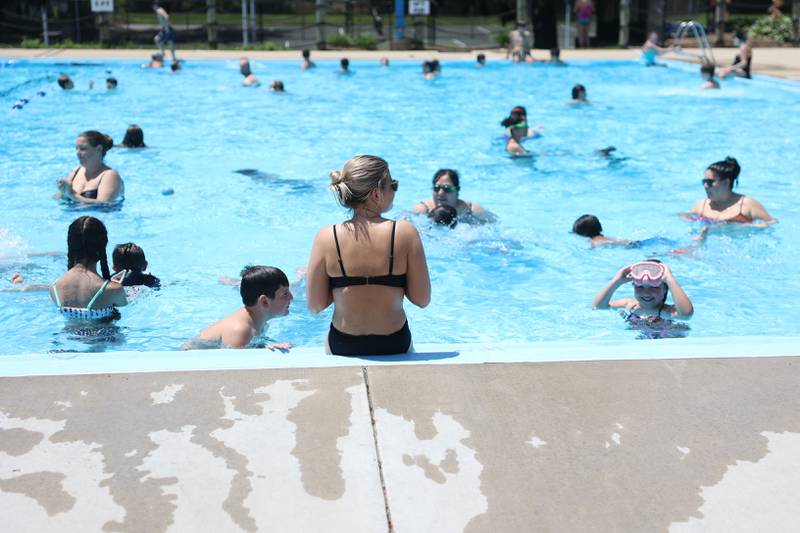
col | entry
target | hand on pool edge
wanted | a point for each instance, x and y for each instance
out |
(282, 347)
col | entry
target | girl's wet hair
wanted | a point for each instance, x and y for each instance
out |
(63, 81)
(129, 256)
(134, 137)
(344, 62)
(87, 239)
(95, 138)
(726, 170)
(518, 114)
(447, 172)
(577, 90)
(358, 178)
(587, 226)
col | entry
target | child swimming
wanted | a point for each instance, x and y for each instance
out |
(648, 310)
(265, 295)
(129, 264)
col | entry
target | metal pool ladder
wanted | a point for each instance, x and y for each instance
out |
(692, 27)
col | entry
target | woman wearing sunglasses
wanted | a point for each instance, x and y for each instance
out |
(722, 204)
(367, 265)
(445, 192)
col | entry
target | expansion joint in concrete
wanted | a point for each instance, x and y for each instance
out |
(365, 373)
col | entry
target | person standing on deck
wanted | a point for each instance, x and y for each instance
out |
(165, 34)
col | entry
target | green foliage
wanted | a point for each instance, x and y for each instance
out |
(772, 28)
(27, 42)
(364, 40)
(503, 38)
(741, 22)
(268, 46)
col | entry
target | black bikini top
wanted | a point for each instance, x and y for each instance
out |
(389, 280)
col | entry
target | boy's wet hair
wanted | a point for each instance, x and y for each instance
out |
(587, 226)
(129, 256)
(258, 280)
(444, 215)
(577, 90)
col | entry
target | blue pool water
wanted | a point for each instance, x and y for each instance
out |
(524, 279)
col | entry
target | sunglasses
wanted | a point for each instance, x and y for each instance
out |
(445, 188)
(710, 182)
(393, 184)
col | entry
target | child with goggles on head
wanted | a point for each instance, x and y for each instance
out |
(652, 282)
(517, 130)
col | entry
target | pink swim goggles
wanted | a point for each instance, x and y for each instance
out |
(648, 274)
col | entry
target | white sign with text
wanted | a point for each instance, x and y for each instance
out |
(102, 6)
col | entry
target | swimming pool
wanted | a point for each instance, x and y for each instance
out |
(524, 279)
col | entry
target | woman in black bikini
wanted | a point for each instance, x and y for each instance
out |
(367, 265)
(92, 182)
(445, 192)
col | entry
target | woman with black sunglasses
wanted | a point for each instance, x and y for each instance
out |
(367, 265)
(722, 204)
(445, 192)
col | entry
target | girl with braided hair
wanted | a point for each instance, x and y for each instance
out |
(82, 294)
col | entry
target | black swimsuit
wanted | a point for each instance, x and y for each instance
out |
(746, 67)
(342, 343)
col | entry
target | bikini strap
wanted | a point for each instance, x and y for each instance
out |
(741, 204)
(97, 295)
(391, 249)
(55, 293)
(75, 173)
(338, 251)
(427, 209)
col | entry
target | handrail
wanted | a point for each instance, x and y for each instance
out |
(706, 52)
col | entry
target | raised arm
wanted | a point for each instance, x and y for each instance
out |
(420, 207)
(318, 289)
(603, 298)
(683, 306)
(418, 280)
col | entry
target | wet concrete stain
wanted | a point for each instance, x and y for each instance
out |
(44, 487)
(115, 414)
(316, 444)
(18, 441)
(717, 408)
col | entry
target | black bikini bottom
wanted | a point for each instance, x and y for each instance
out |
(345, 344)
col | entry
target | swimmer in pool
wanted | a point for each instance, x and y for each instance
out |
(578, 96)
(129, 264)
(651, 50)
(265, 295)
(307, 63)
(344, 66)
(134, 137)
(722, 204)
(481, 60)
(276, 86)
(111, 83)
(156, 61)
(446, 187)
(82, 294)
(249, 78)
(589, 226)
(652, 282)
(444, 215)
(431, 69)
(92, 182)
(517, 129)
(707, 73)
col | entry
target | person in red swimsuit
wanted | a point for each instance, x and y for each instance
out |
(722, 204)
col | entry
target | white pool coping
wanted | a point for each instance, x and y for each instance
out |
(172, 361)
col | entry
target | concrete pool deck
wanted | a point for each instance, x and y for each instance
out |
(650, 436)
(674, 435)
(779, 62)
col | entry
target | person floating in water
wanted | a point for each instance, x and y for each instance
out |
(276, 86)
(165, 35)
(134, 137)
(589, 226)
(265, 295)
(648, 310)
(722, 204)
